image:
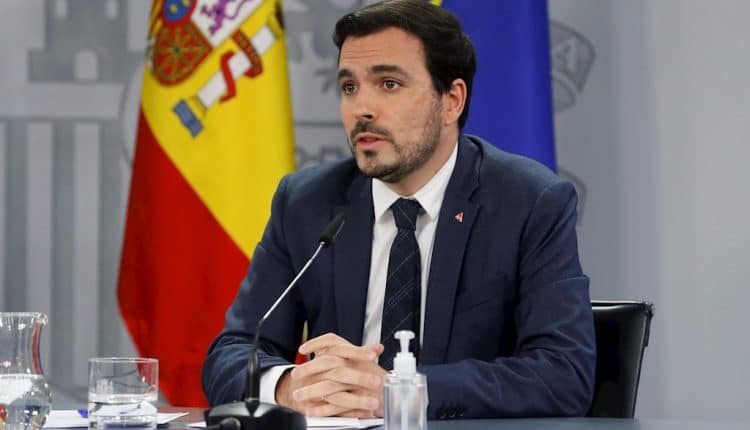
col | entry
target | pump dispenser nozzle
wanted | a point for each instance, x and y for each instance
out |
(404, 336)
(404, 364)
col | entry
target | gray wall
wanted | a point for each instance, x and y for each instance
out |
(660, 137)
(652, 123)
(66, 114)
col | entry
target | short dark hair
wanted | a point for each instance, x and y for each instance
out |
(449, 54)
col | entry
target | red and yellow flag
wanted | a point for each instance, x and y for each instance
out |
(214, 138)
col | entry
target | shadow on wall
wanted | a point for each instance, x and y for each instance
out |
(604, 131)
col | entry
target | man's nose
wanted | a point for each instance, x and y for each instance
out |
(364, 107)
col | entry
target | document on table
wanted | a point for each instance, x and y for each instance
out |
(66, 419)
(327, 423)
(323, 423)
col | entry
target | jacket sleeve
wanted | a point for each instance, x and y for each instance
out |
(224, 371)
(551, 372)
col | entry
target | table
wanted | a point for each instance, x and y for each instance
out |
(586, 424)
(196, 414)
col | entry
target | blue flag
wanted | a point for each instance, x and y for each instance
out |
(511, 102)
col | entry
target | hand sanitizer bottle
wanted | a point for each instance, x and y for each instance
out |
(405, 390)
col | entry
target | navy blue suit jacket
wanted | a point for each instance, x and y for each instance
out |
(508, 325)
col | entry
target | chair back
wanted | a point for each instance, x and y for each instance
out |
(622, 331)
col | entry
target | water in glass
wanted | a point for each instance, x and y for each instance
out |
(122, 410)
(123, 393)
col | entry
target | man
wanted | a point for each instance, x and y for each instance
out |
(471, 248)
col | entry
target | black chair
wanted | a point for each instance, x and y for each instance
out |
(622, 330)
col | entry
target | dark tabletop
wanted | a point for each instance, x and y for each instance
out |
(196, 414)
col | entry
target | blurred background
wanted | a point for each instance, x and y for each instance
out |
(652, 123)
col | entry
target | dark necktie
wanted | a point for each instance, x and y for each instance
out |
(401, 307)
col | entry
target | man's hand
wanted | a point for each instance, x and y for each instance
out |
(342, 380)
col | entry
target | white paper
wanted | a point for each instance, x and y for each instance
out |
(326, 423)
(321, 423)
(64, 419)
(162, 418)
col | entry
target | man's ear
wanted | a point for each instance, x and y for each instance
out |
(454, 101)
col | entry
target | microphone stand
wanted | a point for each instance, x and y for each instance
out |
(252, 414)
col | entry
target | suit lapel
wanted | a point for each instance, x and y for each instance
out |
(457, 216)
(352, 252)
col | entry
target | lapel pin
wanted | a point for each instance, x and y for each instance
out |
(460, 217)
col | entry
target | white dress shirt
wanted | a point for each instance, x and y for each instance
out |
(430, 197)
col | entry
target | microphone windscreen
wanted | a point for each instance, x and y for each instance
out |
(332, 229)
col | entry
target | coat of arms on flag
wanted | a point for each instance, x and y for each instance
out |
(185, 32)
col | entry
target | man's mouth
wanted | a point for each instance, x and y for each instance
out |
(368, 140)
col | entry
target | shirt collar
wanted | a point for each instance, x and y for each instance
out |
(430, 196)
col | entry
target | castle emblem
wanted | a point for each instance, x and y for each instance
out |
(572, 58)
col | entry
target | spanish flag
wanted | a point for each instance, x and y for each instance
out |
(214, 139)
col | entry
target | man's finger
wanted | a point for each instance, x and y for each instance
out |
(369, 367)
(351, 401)
(377, 348)
(321, 342)
(319, 391)
(378, 394)
(351, 352)
(348, 375)
(320, 364)
(330, 410)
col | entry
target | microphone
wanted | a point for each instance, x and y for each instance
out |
(331, 231)
(252, 413)
(230, 423)
(252, 388)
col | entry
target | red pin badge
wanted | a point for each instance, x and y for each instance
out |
(460, 217)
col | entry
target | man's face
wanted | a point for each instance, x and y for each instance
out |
(390, 111)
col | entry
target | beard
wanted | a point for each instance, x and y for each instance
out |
(409, 156)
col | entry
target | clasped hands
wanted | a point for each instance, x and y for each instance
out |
(341, 380)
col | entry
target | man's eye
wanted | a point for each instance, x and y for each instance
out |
(348, 88)
(390, 84)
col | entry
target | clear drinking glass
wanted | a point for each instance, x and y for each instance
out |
(123, 392)
(25, 396)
